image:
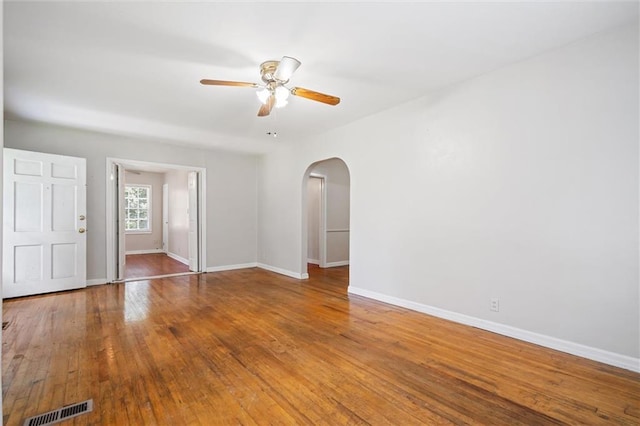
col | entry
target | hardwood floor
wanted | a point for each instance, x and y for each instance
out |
(151, 265)
(254, 347)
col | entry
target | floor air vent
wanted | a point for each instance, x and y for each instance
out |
(60, 414)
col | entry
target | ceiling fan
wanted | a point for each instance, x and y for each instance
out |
(274, 93)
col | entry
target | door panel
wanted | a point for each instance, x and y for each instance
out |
(44, 201)
(64, 171)
(165, 218)
(63, 204)
(27, 264)
(63, 260)
(119, 203)
(193, 222)
(27, 200)
(27, 168)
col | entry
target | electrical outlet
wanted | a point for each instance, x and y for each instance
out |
(495, 305)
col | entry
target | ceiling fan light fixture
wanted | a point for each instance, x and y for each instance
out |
(263, 94)
(286, 68)
(281, 93)
(281, 102)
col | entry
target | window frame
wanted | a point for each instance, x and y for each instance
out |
(149, 209)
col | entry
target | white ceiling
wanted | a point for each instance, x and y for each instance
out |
(134, 68)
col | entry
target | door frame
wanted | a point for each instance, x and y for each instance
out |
(111, 218)
(165, 217)
(194, 261)
(322, 222)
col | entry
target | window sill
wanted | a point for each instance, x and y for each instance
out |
(137, 232)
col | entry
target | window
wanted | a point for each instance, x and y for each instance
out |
(137, 208)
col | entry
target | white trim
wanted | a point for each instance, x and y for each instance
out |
(337, 230)
(111, 239)
(96, 281)
(151, 251)
(232, 267)
(595, 354)
(281, 271)
(322, 223)
(165, 217)
(153, 277)
(178, 258)
(334, 264)
(313, 261)
(201, 177)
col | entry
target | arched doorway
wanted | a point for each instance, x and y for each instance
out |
(326, 215)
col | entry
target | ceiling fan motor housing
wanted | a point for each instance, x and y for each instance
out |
(267, 71)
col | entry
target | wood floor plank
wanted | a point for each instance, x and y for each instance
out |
(253, 347)
(151, 265)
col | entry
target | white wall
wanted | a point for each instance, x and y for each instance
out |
(231, 186)
(178, 181)
(521, 184)
(140, 242)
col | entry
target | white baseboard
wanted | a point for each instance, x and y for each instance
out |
(595, 354)
(96, 281)
(334, 264)
(151, 251)
(231, 267)
(178, 258)
(283, 271)
(153, 277)
(313, 261)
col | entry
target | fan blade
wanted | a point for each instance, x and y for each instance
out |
(266, 108)
(315, 96)
(227, 83)
(286, 68)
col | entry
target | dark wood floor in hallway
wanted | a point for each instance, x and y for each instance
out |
(152, 265)
(253, 347)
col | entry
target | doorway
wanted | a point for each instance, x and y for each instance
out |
(326, 216)
(155, 220)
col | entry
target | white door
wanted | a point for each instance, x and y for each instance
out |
(120, 209)
(193, 221)
(44, 245)
(165, 218)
